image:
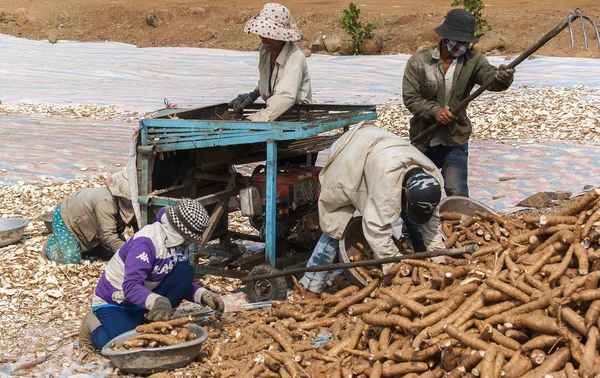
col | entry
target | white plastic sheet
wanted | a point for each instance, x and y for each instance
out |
(107, 73)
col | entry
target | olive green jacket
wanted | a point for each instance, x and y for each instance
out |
(424, 93)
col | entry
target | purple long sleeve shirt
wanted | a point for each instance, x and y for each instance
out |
(139, 266)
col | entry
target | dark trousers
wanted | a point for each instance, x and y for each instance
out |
(118, 319)
(415, 238)
(453, 162)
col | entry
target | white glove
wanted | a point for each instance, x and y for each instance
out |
(242, 101)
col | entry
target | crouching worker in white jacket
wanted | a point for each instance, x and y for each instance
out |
(385, 178)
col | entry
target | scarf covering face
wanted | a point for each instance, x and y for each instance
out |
(126, 210)
(456, 48)
(173, 239)
(175, 243)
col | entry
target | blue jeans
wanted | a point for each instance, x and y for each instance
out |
(119, 319)
(324, 253)
(453, 161)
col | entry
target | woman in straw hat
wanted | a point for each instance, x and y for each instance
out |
(149, 276)
(284, 79)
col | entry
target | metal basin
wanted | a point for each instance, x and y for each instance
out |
(11, 230)
(47, 219)
(353, 236)
(463, 205)
(349, 245)
(152, 360)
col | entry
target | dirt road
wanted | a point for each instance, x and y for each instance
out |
(403, 24)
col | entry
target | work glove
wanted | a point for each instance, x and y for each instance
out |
(505, 75)
(242, 101)
(212, 300)
(161, 310)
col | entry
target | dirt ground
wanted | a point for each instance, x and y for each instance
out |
(404, 25)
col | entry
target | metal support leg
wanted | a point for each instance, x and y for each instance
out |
(271, 205)
(145, 186)
(143, 189)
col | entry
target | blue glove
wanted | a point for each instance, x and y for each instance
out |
(243, 100)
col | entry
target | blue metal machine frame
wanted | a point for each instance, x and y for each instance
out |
(170, 131)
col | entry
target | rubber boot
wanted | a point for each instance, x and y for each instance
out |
(88, 325)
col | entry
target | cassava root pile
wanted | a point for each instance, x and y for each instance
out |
(521, 113)
(527, 304)
(158, 334)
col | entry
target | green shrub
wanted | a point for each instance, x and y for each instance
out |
(355, 29)
(474, 7)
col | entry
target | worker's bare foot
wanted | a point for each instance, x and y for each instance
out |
(311, 295)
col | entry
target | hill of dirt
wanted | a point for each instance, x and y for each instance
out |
(402, 24)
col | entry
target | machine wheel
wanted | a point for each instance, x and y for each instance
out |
(272, 289)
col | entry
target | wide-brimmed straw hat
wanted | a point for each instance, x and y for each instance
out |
(274, 22)
(459, 25)
(189, 219)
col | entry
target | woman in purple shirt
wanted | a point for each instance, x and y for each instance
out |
(149, 276)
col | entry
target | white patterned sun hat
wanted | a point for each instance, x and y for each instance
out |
(274, 22)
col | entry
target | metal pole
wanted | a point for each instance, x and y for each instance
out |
(271, 202)
(415, 256)
(146, 153)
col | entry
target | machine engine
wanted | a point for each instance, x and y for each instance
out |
(297, 214)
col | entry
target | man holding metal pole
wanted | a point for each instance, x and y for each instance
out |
(437, 79)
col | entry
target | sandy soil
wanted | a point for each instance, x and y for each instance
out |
(403, 24)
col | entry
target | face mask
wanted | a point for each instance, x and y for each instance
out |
(456, 48)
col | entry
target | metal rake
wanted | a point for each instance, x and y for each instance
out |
(577, 14)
